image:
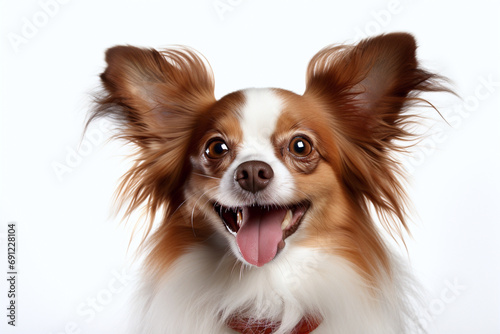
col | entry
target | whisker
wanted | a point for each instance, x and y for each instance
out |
(236, 262)
(241, 270)
(180, 205)
(195, 205)
(208, 176)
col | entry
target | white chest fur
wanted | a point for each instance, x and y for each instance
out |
(205, 287)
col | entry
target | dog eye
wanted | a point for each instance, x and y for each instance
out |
(216, 149)
(300, 147)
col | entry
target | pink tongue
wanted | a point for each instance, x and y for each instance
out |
(260, 234)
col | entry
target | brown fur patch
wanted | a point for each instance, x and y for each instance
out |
(336, 225)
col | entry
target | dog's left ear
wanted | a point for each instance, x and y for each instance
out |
(367, 85)
(365, 89)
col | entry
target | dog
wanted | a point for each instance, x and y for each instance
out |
(265, 197)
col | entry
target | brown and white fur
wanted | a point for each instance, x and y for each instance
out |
(223, 173)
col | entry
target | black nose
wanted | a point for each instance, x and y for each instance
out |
(253, 175)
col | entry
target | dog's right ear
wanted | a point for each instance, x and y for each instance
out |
(156, 99)
(154, 94)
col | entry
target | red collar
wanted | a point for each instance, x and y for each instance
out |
(250, 326)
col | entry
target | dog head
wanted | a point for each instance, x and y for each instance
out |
(267, 169)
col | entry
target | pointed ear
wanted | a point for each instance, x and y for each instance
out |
(365, 90)
(156, 99)
(367, 85)
(151, 93)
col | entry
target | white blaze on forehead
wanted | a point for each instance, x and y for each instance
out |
(259, 116)
(258, 119)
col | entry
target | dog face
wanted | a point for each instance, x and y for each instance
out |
(259, 169)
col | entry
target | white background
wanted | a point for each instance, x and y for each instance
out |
(70, 250)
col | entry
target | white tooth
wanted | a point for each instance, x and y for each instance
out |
(287, 220)
(239, 218)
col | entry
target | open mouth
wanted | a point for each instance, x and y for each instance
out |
(261, 231)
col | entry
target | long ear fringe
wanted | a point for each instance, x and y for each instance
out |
(183, 88)
(371, 172)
